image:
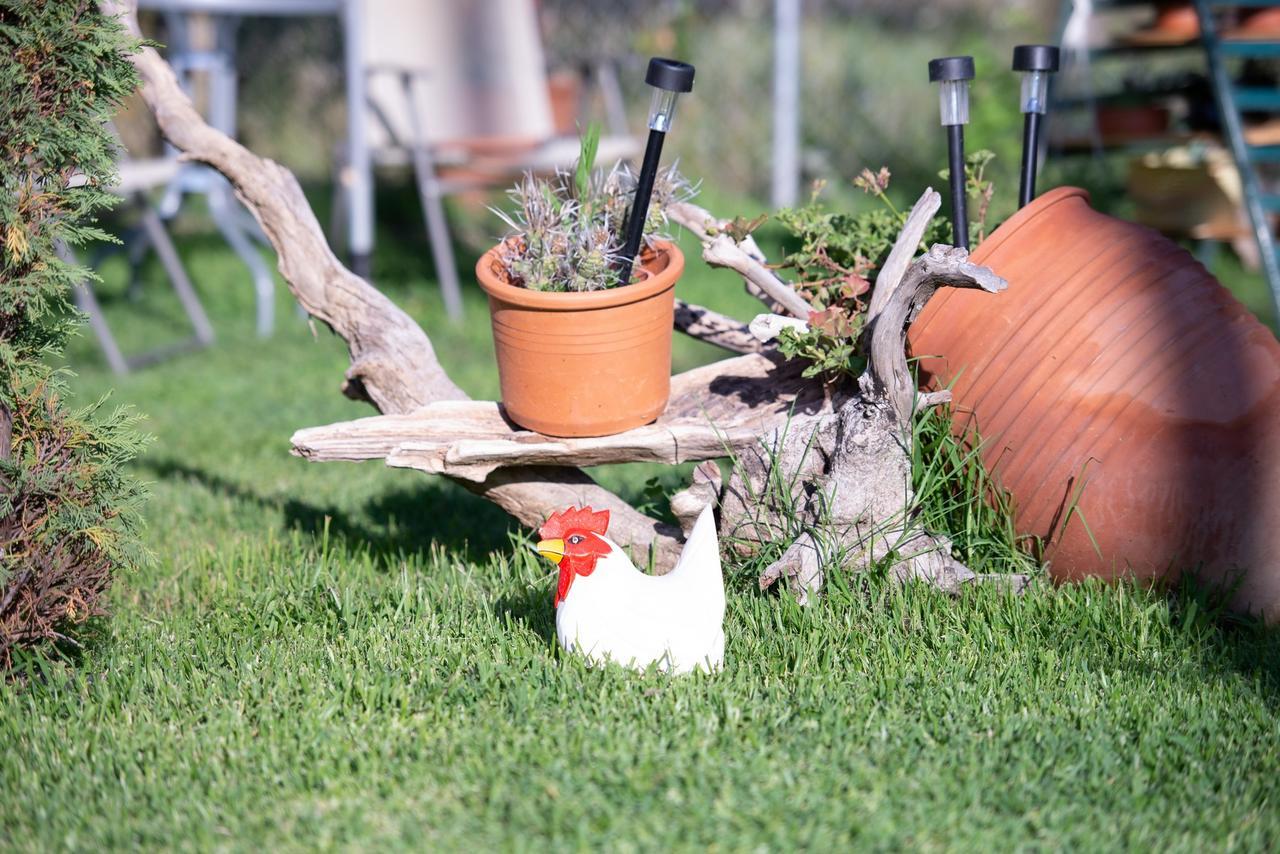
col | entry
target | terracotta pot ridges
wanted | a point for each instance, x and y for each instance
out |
(1041, 311)
(1070, 452)
(1097, 423)
(1047, 397)
(1048, 409)
(1128, 311)
(615, 338)
(1049, 311)
(1116, 355)
(1063, 317)
(1008, 230)
(1038, 375)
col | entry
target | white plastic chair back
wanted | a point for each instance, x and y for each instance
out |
(479, 70)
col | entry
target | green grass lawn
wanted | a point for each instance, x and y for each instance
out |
(347, 656)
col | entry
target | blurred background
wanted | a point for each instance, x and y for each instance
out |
(405, 120)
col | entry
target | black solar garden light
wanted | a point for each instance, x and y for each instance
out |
(953, 74)
(1035, 62)
(669, 80)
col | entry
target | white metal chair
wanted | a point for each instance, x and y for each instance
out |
(458, 89)
(137, 177)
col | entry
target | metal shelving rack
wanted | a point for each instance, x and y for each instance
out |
(1232, 100)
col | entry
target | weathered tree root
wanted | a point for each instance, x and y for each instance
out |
(845, 479)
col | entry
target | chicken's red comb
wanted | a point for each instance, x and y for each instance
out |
(574, 519)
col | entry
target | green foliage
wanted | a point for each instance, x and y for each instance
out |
(567, 231)
(837, 252)
(67, 511)
(829, 344)
(835, 256)
(955, 494)
(589, 144)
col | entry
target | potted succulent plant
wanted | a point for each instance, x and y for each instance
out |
(581, 333)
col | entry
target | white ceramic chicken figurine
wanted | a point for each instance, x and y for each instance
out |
(606, 609)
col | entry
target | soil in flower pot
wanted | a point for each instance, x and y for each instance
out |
(585, 364)
(1127, 401)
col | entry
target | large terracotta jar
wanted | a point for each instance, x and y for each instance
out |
(1126, 400)
(585, 364)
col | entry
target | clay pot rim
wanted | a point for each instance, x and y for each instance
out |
(664, 277)
(1011, 225)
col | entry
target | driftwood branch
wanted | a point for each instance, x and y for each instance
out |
(719, 249)
(904, 250)
(704, 488)
(393, 365)
(470, 439)
(715, 328)
(715, 410)
(887, 375)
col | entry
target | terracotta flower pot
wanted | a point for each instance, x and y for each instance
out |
(564, 89)
(1117, 376)
(1175, 23)
(1260, 24)
(1120, 122)
(584, 364)
(1177, 18)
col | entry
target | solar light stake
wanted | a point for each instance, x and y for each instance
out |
(953, 73)
(670, 79)
(1035, 62)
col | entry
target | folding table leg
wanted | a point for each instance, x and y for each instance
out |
(222, 207)
(359, 161)
(432, 197)
(157, 237)
(177, 274)
(137, 245)
(438, 234)
(82, 293)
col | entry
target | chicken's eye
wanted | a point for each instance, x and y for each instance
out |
(575, 539)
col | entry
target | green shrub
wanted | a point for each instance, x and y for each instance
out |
(68, 512)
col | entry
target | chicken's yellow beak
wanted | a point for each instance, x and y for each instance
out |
(552, 550)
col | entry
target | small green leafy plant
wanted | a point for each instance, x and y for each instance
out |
(835, 258)
(567, 229)
(829, 345)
